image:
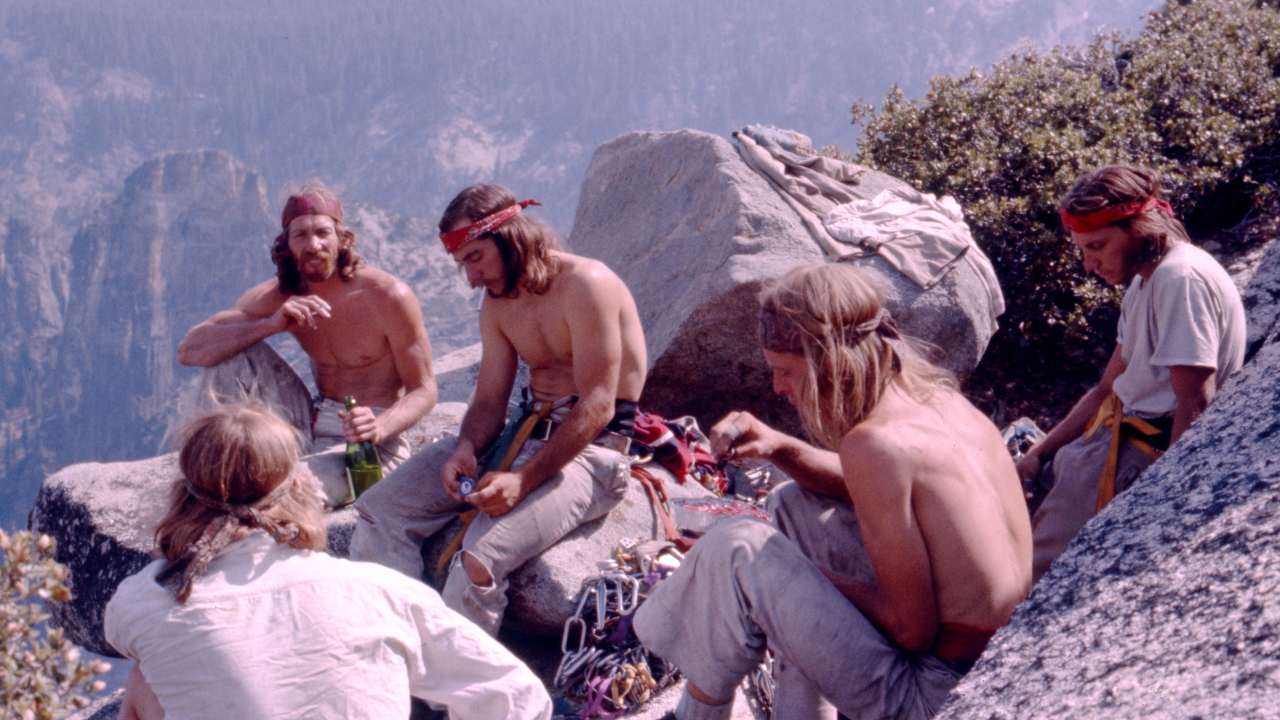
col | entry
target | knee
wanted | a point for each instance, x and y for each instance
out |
(477, 573)
(781, 499)
(734, 541)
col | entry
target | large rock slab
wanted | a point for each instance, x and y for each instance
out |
(695, 232)
(1261, 299)
(1164, 605)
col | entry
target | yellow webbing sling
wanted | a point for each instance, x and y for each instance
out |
(1111, 415)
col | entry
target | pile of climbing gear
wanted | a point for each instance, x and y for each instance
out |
(603, 667)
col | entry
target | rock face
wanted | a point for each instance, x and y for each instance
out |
(694, 232)
(1167, 598)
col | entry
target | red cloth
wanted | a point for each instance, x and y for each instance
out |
(310, 204)
(455, 239)
(1088, 222)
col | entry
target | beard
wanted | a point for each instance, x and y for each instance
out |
(316, 267)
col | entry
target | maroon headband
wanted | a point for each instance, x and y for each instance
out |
(455, 239)
(1107, 216)
(310, 203)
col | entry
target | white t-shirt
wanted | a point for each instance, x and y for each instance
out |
(273, 632)
(1187, 313)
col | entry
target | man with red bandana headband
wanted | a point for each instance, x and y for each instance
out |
(361, 328)
(1181, 333)
(562, 461)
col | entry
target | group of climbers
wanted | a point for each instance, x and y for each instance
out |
(901, 543)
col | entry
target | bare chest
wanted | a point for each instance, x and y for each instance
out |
(352, 338)
(537, 329)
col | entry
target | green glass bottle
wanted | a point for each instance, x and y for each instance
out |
(363, 466)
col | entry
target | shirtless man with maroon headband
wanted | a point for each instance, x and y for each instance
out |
(361, 327)
(562, 460)
(1181, 333)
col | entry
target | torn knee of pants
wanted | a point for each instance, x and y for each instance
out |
(477, 572)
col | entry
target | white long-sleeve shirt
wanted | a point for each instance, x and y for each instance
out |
(273, 632)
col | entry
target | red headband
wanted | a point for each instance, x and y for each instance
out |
(455, 239)
(310, 204)
(1088, 222)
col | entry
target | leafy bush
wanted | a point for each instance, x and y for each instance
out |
(1195, 95)
(41, 673)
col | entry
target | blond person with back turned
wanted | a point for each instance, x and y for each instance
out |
(245, 616)
(1181, 334)
(360, 327)
(902, 545)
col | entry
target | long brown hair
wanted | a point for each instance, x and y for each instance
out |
(830, 314)
(1120, 184)
(525, 244)
(288, 277)
(238, 474)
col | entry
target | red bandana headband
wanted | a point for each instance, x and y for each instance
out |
(455, 239)
(1088, 222)
(310, 204)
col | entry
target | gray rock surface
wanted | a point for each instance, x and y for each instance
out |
(1164, 605)
(694, 233)
(1262, 300)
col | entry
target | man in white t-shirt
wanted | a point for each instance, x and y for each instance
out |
(244, 616)
(1181, 334)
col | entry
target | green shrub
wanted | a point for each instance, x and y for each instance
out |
(1195, 95)
(41, 673)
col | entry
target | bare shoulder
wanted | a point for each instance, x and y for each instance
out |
(875, 445)
(385, 289)
(584, 274)
(261, 299)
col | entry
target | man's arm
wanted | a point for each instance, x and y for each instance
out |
(592, 311)
(742, 435)
(411, 351)
(258, 314)
(1073, 425)
(903, 602)
(1193, 389)
(488, 409)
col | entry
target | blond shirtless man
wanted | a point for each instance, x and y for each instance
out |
(901, 546)
(573, 322)
(361, 328)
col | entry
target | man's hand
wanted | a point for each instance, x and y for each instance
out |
(498, 492)
(360, 424)
(742, 435)
(1029, 466)
(461, 462)
(302, 311)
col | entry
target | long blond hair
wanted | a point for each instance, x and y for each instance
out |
(832, 316)
(237, 475)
